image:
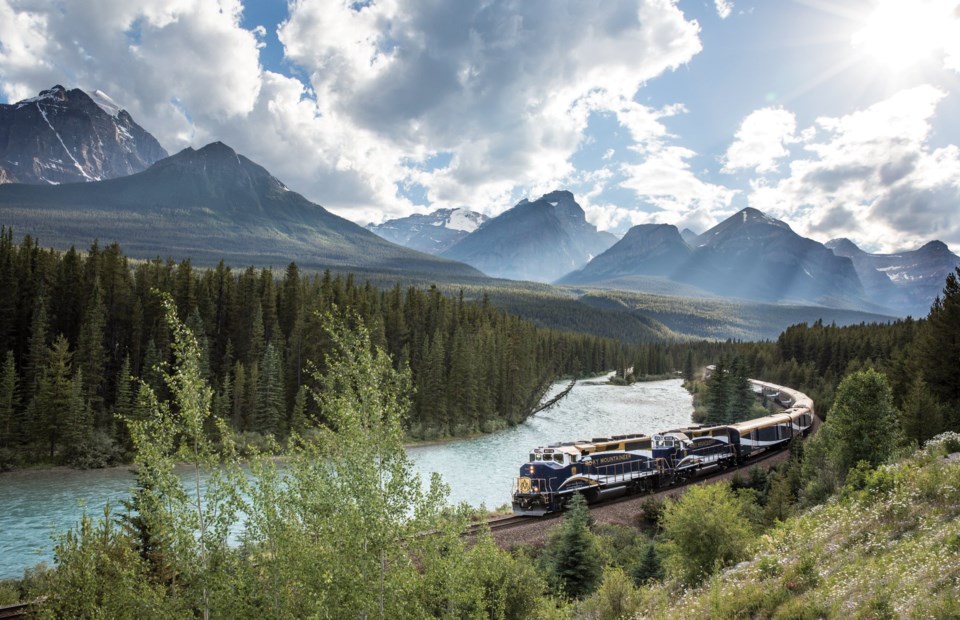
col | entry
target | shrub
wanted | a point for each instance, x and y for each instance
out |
(704, 530)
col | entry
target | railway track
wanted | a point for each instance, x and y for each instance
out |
(20, 611)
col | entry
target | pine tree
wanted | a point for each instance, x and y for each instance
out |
(718, 393)
(9, 404)
(922, 414)
(298, 415)
(91, 356)
(239, 410)
(37, 357)
(688, 369)
(124, 405)
(939, 344)
(648, 568)
(55, 403)
(270, 411)
(572, 559)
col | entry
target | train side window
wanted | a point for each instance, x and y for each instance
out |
(558, 458)
(533, 457)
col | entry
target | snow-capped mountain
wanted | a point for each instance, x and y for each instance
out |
(431, 233)
(906, 281)
(540, 240)
(70, 136)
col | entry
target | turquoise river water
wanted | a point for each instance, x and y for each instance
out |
(35, 506)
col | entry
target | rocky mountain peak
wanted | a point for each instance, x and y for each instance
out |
(70, 136)
(844, 247)
(539, 240)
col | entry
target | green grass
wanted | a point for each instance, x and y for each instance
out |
(888, 550)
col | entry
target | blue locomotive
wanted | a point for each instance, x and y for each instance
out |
(607, 467)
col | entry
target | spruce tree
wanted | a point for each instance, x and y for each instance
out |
(9, 403)
(939, 344)
(572, 559)
(91, 356)
(648, 568)
(55, 402)
(270, 412)
(922, 414)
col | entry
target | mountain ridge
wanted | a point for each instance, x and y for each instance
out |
(209, 204)
(538, 240)
(433, 232)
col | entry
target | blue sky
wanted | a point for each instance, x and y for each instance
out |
(840, 118)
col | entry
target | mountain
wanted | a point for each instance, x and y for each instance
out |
(689, 236)
(646, 250)
(431, 233)
(747, 256)
(753, 256)
(208, 204)
(540, 240)
(69, 136)
(907, 282)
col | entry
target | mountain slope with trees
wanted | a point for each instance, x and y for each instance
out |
(206, 205)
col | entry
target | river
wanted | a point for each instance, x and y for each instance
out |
(37, 505)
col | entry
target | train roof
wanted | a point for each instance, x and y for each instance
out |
(749, 425)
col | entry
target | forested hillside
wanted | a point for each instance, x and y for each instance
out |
(75, 327)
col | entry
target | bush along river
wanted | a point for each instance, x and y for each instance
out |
(37, 505)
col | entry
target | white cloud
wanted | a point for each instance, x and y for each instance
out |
(664, 179)
(504, 89)
(724, 8)
(761, 140)
(872, 176)
(507, 89)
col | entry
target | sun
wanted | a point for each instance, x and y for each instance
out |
(902, 34)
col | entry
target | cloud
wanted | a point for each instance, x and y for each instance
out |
(872, 176)
(724, 8)
(506, 89)
(179, 67)
(502, 90)
(761, 141)
(665, 180)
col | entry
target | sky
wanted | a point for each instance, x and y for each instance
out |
(840, 118)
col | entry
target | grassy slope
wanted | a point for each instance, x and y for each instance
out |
(891, 550)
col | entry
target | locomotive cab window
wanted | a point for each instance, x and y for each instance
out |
(533, 457)
(558, 458)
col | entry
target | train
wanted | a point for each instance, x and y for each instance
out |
(606, 467)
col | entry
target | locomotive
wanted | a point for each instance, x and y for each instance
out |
(606, 467)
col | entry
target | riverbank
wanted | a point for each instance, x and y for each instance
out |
(39, 504)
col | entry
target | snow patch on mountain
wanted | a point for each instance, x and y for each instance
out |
(465, 220)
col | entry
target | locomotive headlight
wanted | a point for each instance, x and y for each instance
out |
(530, 468)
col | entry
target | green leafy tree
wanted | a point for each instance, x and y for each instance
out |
(572, 558)
(350, 492)
(194, 524)
(706, 529)
(863, 421)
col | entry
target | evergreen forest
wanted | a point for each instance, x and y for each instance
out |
(80, 330)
